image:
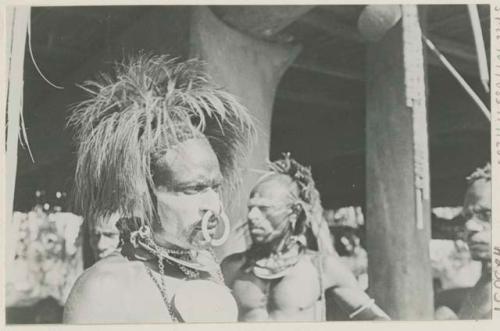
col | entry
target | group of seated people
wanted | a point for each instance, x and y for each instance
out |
(159, 145)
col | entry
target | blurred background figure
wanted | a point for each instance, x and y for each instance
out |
(104, 236)
(44, 258)
(347, 231)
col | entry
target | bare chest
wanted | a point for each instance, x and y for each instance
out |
(477, 304)
(295, 293)
(152, 300)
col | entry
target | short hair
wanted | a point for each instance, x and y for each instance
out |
(134, 115)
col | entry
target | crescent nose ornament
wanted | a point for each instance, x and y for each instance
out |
(204, 228)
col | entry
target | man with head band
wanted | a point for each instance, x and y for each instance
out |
(290, 265)
(157, 140)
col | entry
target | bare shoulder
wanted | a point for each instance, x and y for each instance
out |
(231, 265)
(99, 290)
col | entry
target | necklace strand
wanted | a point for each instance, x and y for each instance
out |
(163, 290)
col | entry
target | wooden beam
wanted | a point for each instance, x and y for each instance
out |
(456, 19)
(397, 173)
(327, 23)
(260, 21)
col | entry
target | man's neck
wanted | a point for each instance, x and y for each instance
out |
(266, 249)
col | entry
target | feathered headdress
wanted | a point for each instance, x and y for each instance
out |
(134, 116)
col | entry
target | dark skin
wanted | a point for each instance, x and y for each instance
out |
(120, 290)
(293, 297)
(104, 237)
(477, 213)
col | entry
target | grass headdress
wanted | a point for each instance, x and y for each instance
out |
(146, 106)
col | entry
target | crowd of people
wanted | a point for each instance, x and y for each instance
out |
(159, 145)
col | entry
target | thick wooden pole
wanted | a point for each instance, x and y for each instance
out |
(18, 19)
(398, 208)
(250, 69)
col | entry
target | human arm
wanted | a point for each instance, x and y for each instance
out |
(95, 298)
(343, 287)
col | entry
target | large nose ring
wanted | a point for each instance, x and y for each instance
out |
(204, 228)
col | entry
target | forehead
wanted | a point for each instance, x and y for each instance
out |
(190, 160)
(478, 194)
(276, 188)
(106, 223)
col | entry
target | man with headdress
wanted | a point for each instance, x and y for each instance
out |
(291, 266)
(476, 213)
(156, 141)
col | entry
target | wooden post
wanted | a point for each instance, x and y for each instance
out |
(250, 69)
(398, 202)
(17, 18)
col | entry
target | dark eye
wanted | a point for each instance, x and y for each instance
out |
(111, 234)
(265, 209)
(195, 189)
(484, 215)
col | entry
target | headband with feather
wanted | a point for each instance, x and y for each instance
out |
(134, 116)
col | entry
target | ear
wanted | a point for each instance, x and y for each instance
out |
(299, 219)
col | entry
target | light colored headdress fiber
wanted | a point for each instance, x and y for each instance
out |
(147, 105)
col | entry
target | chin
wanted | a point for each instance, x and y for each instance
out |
(481, 256)
(258, 240)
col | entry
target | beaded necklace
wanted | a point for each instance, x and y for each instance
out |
(190, 272)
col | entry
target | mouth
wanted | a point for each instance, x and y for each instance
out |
(197, 230)
(257, 231)
(478, 245)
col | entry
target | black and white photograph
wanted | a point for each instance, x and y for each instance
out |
(248, 163)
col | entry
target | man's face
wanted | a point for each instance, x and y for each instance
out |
(192, 179)
(104, 237)
(477, 213)
(269, 208)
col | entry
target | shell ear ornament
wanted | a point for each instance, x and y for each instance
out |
(204, 228)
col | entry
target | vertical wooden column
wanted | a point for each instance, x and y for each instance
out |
(17, 27)
(398, 208)
(250, 69)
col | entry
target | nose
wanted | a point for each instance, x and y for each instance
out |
(104, 243)
(211, 201)
(253, 214)
(474, 225)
